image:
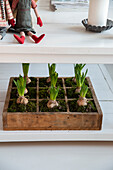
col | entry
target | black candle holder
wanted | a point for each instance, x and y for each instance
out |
(97, 29)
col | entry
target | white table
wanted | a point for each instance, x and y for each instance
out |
(66, 41)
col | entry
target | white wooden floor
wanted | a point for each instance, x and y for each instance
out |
(56, 156)
(102, 84)
(110, 69)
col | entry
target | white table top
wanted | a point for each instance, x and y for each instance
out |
(63, 43)
(66, 41)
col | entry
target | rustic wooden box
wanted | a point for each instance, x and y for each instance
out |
(52, 120)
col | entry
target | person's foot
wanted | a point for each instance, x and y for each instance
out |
(19, 39)
(37, 39)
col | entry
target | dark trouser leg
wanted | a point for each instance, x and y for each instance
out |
(3, 31)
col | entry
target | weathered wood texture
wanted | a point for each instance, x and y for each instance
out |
(52, 121)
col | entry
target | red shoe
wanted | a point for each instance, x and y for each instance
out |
(38, 39)
(19, 39)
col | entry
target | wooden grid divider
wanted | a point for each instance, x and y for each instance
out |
(65, 94)
(37, 95)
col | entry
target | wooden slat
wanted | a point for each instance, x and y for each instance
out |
(1, 110)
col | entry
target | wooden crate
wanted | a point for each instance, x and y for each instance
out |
(52, 120)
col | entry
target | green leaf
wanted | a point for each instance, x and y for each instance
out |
(84, 90)
(54, 78)
(15, 82)
(51, 68)
(80, 77)
(21, 85)
(25, 67)
(53, 92)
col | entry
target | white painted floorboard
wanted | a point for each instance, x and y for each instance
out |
(56, 156)
(110, 69)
